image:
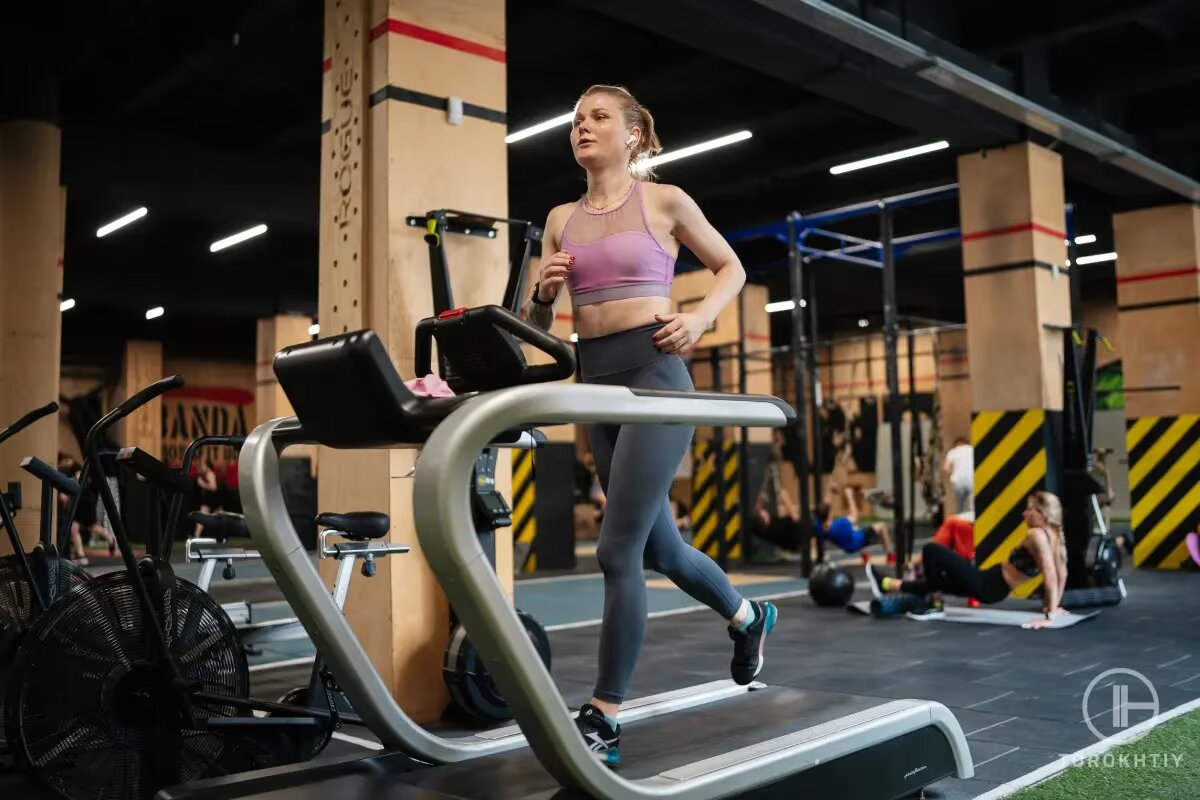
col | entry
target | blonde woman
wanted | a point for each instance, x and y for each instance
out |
(1042, 552)
(613, 251)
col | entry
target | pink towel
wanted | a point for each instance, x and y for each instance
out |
(429, 386)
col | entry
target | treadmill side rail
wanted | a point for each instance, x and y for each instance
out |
(443, 522)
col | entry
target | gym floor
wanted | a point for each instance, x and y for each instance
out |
(1017, 693)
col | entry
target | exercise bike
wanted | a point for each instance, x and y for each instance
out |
(31, 583)
(137, 680)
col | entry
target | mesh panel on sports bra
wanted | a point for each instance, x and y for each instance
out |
(588, 225)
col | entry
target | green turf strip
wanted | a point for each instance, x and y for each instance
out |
(1164, 765)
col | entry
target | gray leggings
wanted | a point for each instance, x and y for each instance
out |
(636, 464)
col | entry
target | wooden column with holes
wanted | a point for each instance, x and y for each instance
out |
(32, 220)
(391, 147)
(141, 366)
(1158, 300)
(1013, 222)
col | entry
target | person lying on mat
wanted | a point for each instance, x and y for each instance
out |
(844, 530)
(1042, 552)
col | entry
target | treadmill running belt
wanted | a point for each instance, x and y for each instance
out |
(649, 747)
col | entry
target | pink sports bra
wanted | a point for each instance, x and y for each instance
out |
(616, 255)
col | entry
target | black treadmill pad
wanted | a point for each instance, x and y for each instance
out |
(649, 747)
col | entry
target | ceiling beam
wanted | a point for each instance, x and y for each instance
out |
(1088, 24)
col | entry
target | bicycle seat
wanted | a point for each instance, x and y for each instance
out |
(221, 525)
(357, 525)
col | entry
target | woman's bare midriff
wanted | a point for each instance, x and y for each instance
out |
(614, 316)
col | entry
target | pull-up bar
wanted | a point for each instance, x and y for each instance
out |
(854, 249)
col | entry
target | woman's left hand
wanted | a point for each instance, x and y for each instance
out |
(680, 332)
(1048, 621)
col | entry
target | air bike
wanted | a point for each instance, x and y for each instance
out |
(766, 740)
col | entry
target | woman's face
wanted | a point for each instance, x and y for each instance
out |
(1034, 518)
(598, 135)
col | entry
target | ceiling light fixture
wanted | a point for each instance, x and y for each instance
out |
(862, 323)
(121, 222)
(1087, 238)
(237, 238)
(314, 329)
(155, 313)
(67, 305)
(886, 157)
(1096, 259)
(695, 149)
(784, 305)
(541, 127)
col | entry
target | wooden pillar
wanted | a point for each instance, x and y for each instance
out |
(141, 366)
(274, 334)
(390, 148)
(32, 218)
(1013, 222)
(1158, 296)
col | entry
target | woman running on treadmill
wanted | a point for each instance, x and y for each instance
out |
(614, 252)
(1042, 552)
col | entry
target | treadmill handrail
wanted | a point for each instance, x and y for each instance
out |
(443, 525)
(281, 550)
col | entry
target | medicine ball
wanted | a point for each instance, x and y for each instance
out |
(830, 585)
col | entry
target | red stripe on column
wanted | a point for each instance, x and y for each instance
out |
(402, 28)
(759, 337)
(1155, 276)
(214, 394)
(327, 65)
(1021, 228)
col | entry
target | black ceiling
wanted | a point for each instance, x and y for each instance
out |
(209, 115)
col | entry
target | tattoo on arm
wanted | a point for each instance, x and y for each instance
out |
(542, 316)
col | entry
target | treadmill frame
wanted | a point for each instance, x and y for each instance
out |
(445, 530)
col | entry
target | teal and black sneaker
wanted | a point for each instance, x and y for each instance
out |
(601, 738)
(748, 645)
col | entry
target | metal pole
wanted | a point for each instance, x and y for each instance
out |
(800, 347)
(814, 398)
(914, 449)
(718, 447)
(744, 503)
(1074, 276)
(890, 335)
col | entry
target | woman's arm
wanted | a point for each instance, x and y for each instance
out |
(690, 227)
(539, 314)
(1039, 542)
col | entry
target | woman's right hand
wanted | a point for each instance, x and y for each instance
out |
(554, 275)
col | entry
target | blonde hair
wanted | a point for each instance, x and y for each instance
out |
(1051, 509)
(635, 115)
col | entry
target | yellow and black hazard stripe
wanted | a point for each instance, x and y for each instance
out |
(1164, 485)
(717, 526)
(1010, 463)
(705, 512)
(732, 486)
(524, 516)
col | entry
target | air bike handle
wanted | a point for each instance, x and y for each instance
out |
(156, 389)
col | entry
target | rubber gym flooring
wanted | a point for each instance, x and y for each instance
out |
(1016, 693)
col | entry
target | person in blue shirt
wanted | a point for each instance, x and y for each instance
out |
(844, 531)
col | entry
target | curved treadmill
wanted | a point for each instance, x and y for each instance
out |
(766, 742)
